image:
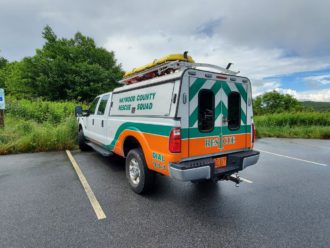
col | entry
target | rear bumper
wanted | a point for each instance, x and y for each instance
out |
(204, 168)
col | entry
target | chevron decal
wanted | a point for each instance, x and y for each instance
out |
(221, 90)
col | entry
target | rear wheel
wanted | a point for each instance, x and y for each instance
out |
(82, 142)
(140, 178)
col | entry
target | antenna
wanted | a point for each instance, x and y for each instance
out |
(228, 66)
(185, 55)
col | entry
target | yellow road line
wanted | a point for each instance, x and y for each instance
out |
(95, 203)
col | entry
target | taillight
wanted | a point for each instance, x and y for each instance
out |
(253, 133)
(175, 140)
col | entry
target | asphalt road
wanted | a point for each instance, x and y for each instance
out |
(286, 204)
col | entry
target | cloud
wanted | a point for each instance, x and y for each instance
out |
(262, 37)
(322, 79)
(309, 95)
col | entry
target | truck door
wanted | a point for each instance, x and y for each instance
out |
(217, 116)
(204, 116)
(101, 119)
(234, 129)
(89, 131)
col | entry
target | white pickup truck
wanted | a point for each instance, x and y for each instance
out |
(176, 120)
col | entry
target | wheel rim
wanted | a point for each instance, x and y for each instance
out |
(134, 171)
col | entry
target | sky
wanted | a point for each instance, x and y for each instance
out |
(280, 45)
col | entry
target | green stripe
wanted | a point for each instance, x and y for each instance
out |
(226, 88)
(242, 91)
(224, 109)
(193, 117)
(218, 110)
(219, 107)
(243, 116)
(242, 129)
(195, 133)
(216, 87)
(195, 87)
(140, 127)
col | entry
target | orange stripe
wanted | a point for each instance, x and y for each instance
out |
(197, 146)
(151, 143)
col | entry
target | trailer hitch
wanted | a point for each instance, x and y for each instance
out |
(234, 178)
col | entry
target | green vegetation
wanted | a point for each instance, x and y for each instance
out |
(42, 91)
(278, 115)
(296, 125)
(33, 126)
(317, 106)
(275, 102)
(63, 69)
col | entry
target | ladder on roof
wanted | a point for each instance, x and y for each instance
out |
(168, 68)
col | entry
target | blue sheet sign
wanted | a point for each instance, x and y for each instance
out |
(2, 99)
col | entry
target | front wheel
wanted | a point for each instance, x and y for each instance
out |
(82, 142)
(140, 178)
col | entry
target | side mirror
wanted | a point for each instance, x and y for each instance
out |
(86, 113)
(78, 111)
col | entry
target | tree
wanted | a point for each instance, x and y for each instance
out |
(66, 69)
(3, 64)
(275, 102)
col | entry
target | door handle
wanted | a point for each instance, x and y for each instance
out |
(102, 123)
(93, 121)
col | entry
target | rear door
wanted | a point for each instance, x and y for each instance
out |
(233, 121)
(204, 116)
(217, 116)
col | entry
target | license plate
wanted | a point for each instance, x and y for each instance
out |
(220, 162)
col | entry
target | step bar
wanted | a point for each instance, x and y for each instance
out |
(100, 150)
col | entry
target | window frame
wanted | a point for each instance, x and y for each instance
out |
(96, 99)
(230, 127)
(213, 111)
(107, 96)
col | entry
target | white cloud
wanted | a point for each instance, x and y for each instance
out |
(256, 63)
(314, 95)
(323, 79)
(262, 37)
(322, 95)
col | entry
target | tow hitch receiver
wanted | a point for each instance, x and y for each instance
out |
(236, 179)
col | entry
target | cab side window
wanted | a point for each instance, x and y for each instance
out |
(205, 110)
(93, 106)
(102, 105)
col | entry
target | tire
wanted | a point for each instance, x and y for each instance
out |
(140, 178)
(82, 142)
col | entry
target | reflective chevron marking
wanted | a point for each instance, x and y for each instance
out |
(221, 90)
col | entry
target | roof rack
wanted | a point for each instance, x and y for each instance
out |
(168, 68)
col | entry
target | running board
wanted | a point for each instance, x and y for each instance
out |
(100, 150)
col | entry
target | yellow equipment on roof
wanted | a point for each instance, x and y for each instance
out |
(168, 58)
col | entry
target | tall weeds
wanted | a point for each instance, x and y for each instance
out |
(33, 126)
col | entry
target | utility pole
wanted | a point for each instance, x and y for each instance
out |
(2, 108)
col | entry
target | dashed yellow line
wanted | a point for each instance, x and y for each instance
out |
(90, 194)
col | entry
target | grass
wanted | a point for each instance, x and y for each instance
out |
(294, 125)
(35, 126)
